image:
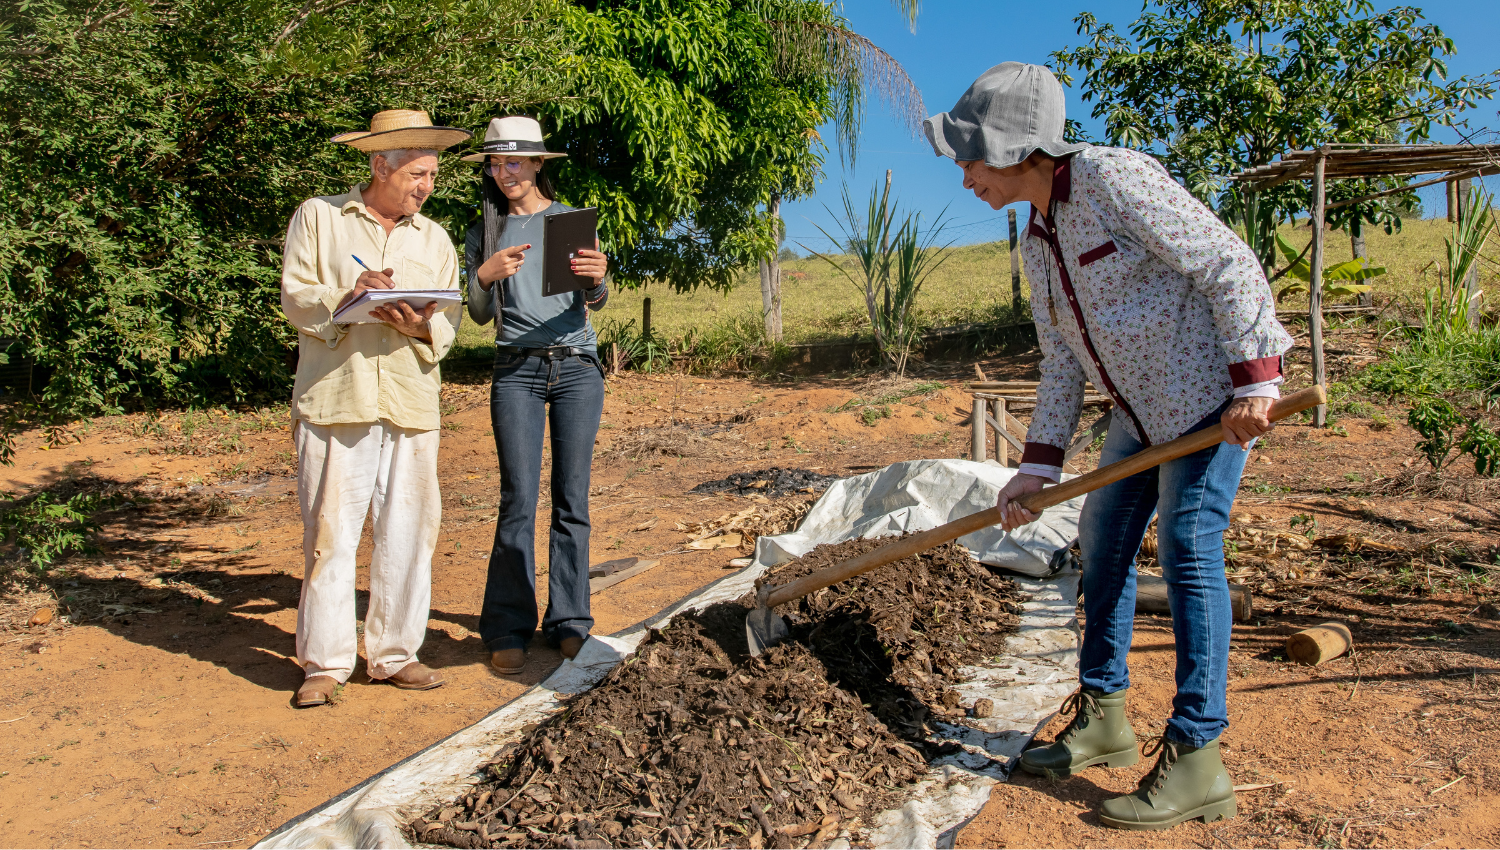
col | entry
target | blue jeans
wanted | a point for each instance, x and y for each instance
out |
(1192, 495)
(527, 394)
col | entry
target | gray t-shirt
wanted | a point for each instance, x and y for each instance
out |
(528, 318)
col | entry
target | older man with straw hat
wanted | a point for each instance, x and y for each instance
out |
(1138, 287)
(365, 407)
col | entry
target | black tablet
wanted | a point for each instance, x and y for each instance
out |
(563, 236)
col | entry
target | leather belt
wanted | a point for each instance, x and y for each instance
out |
(556, 352)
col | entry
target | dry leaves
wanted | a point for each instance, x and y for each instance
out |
(724, 541)
(764, 517)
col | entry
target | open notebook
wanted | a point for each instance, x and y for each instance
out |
(358, 310)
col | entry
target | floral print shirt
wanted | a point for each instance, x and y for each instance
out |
(1141, 289)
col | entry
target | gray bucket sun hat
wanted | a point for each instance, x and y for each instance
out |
(1012, 110)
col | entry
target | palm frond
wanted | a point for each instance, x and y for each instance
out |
(855, 65)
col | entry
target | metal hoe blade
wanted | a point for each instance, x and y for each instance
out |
(763, 630)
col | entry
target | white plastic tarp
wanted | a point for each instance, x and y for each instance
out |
(1026, 683)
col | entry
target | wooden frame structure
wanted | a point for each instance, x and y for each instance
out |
(1336, 162)
(991, 410)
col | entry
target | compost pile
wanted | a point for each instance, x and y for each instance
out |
(693, 743)
(772, 482)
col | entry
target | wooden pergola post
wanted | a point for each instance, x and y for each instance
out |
(1315, 285)
(1355, 160)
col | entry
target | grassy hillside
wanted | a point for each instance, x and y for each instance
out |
(973, 285)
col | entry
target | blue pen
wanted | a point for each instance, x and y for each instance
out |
(362, 264)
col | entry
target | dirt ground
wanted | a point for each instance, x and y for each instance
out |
(154, 709)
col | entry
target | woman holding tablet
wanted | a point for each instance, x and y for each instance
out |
(547, 373)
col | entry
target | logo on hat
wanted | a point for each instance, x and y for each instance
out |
(513, 134)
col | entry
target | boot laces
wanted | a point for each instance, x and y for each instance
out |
(1082, 704)
(1158, 774)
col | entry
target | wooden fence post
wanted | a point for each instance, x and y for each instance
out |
(978, 436)
(1315, 285)
(1015, 267)
(646, 317)
(1002, 445)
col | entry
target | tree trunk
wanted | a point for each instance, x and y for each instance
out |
(770, 277)
(1357, 244)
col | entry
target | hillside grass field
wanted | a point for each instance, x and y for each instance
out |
(973, 285)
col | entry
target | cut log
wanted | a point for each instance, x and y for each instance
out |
(1151, 597)
(611, 573)
(1323, 642)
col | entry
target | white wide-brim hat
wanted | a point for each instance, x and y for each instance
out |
(513, 135)
(1010, 112)
(403, 129)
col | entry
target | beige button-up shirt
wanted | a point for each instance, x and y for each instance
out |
(361, 373)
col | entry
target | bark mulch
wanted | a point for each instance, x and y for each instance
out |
(692, 743)
(773, 482)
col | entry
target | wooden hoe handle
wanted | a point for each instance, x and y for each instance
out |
(1035, 502)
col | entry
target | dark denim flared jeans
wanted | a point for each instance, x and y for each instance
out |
(565, 396)
(1192, 497)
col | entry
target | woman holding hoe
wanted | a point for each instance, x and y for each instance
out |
(547, 378)
(1139, 288)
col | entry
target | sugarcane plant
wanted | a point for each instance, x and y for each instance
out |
(891, 262)
(913, 258)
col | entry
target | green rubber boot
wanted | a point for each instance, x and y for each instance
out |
(1187, 782)
(1098, 734)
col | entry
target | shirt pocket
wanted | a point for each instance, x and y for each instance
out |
(1095, 254)
(418, 276)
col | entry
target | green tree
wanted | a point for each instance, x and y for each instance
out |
(151, 153)
(1215, 86)
(698, 114)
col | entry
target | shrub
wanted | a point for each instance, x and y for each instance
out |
(624, 341)
(44, 527)
(1439, 422)
(151, 154)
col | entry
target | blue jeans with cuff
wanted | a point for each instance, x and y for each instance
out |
(527, 395)
(1192, 497)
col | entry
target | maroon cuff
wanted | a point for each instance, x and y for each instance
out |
(1042, 454)
(1255, 371)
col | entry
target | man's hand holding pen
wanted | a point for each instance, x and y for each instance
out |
(400, 315)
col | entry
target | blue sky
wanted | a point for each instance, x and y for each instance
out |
(956, 40)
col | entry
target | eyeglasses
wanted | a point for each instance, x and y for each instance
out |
(494, 167)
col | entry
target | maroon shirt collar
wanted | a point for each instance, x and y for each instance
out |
(1062, 190)
(1062, 178)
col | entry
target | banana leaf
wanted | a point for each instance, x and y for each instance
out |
(1337, 280)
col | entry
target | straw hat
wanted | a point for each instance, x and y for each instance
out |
(399, 129)
(514, 135)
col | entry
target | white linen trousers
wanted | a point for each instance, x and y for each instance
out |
(343, 473)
